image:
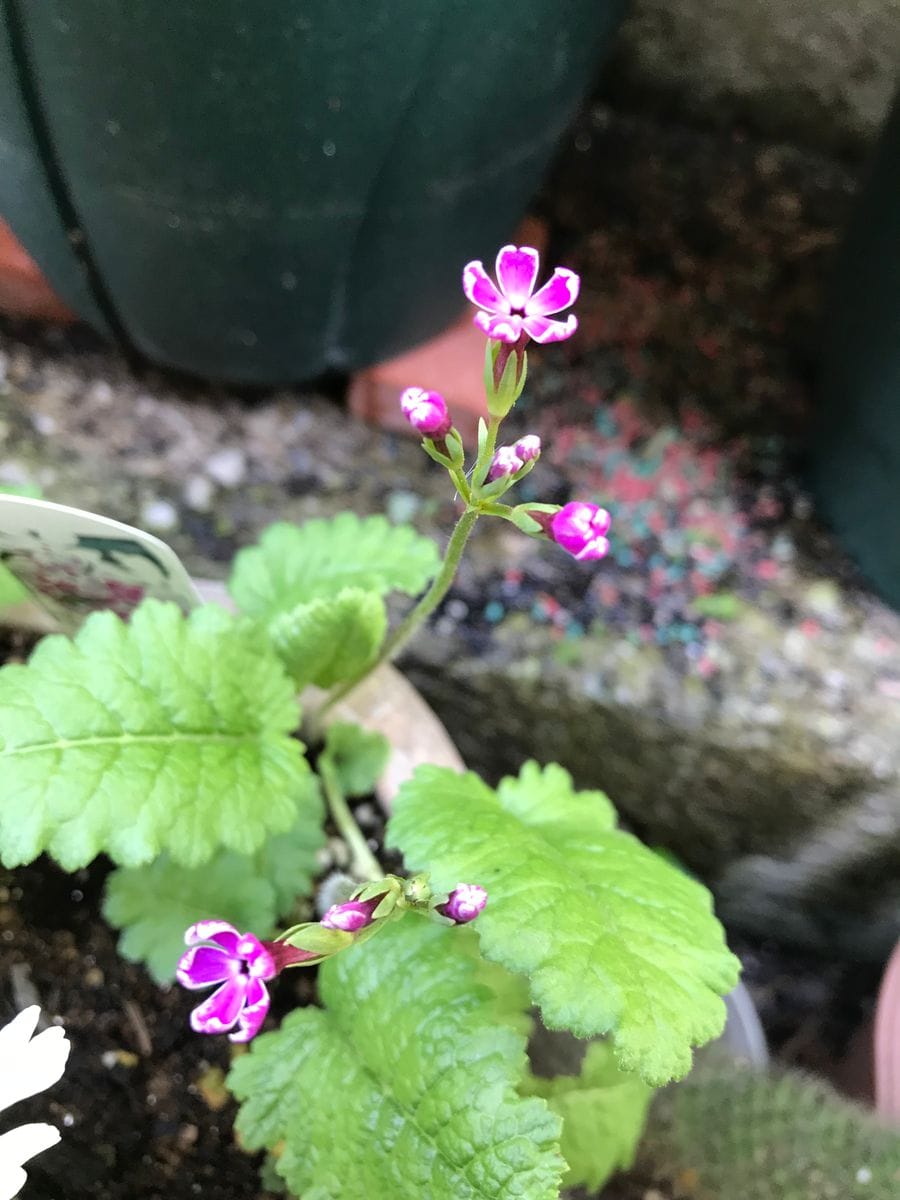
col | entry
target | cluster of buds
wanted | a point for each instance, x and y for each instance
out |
(239, 965)
(511, 313)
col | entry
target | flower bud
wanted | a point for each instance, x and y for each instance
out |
(426, 412)
(505, 462)
(464, 903)
(528, 447)
(580, 529)
(354, 915)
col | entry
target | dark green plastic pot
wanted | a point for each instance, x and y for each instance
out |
(265, 189)
(856, 451)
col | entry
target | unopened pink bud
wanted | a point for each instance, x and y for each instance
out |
(528, 447)
(355, 914)
(580, 529)
(464, 903)
(426, 412)
(505, 462)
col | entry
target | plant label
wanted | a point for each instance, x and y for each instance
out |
(77, 562)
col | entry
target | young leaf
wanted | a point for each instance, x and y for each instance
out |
(11, 591)
(404, 1085)
(325, 641)
(613, 939)
(603, 1112)
(356, 755)
(169, 733)
(294, 564)
(154, 905)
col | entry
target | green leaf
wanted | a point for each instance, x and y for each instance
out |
(603, 1112)
(405, 1085)
(294, 564)
(357, 756)
(154, 905)
(613, 939)
(11, 591)
(325, 641)
(169, 733)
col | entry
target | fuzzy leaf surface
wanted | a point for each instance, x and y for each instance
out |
(155, 904)
(293, 564)
(613, 939)
(168, 733)
(603, 1111)
(403, 1085)
(325, 641)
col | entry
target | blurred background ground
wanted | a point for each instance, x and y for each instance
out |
(725, 674)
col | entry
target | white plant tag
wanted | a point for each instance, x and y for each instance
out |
(75, 562)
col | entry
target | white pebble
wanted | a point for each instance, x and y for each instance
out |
(198, 493)
(227, 467)
(159, 514)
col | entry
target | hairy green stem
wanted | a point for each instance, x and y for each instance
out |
(483, 463)
(363, 863)
(415, 617)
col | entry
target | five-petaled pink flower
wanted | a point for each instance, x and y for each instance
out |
(241, 964)
(511, 307)
(580, 528)
(464, 903)
(426, 412)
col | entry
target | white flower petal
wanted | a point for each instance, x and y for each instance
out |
(28, 1067)
(16, 1148)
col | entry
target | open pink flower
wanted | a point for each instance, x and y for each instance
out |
(580, 528)
(464, 903)
(511, 307)
(241, 964)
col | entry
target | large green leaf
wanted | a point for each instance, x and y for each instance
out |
(325, 641)
(169, 733)
(154, 905)
(405, 1085)
(613, 938)
(603, 1112)
(294, 564)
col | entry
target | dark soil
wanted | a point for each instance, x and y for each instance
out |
(141, 1105)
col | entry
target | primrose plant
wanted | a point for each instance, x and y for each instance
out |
(169, 743)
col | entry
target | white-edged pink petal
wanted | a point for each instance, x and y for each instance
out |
(517, 272)
(221, 932)
(202, 966)
(501, 328)
(219, 1011)
(481, 290)
(559, 292)
(253, 1013)
(544, 330)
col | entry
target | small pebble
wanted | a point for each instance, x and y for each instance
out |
(227, 467)
(366, 815)
(198, 493)
(161, 515)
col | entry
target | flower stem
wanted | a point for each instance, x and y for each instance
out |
(417, 614)
(363, 863)
(483, 463)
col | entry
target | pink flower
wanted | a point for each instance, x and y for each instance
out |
(513, 308)
(464, 903)
(355, 914)
(241, 964)
(426, 412)
(580, 528)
